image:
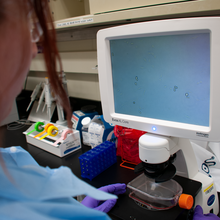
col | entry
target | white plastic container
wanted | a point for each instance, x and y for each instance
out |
(85, 133)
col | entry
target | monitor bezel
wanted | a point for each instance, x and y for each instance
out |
(159, 28)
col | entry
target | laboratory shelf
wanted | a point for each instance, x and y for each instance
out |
(161, 11)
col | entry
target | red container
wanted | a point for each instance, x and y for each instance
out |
(127, 145)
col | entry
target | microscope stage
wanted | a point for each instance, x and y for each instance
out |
(128, 209)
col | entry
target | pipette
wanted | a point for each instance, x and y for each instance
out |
(41, 99)
(34, 94)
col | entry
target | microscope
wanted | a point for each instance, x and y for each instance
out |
(163, 77)
(164, 157)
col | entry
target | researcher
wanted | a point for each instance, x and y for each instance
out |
(27, 190)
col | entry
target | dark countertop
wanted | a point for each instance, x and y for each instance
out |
(125, 207)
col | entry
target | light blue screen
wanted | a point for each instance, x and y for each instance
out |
(163, 77)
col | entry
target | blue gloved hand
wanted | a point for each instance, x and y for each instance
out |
(105, 206)
(198, 214)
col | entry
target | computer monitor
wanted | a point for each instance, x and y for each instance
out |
(162, 77)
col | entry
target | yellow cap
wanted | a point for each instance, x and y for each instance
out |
(186, 201)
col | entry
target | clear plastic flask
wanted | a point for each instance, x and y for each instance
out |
(158, 196)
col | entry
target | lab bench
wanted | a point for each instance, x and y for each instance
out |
(125, 207)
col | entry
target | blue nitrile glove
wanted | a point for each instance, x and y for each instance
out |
(118, 188)
(198, 214)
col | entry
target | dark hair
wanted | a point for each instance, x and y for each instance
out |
(51, 55)
(2, 10)
(50, 51)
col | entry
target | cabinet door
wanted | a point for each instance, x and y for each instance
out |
(62, 9)
(100, 6)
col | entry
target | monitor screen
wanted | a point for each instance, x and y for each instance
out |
(163, 77)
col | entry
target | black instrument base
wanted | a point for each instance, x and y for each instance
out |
(127, 209)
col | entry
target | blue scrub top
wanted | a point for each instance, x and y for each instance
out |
(29, 191)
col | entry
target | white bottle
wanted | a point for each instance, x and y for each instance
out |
(85, 134)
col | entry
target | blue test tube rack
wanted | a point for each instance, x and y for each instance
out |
(98, 159)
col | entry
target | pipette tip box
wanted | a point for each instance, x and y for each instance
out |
(98, 159)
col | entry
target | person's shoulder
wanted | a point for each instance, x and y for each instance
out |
(16, 156)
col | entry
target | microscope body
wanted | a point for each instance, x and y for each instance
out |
(157, 150)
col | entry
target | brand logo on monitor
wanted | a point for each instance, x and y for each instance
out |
(120, 121)
(202, 134)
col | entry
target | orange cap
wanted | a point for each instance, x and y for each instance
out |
(186, 201)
